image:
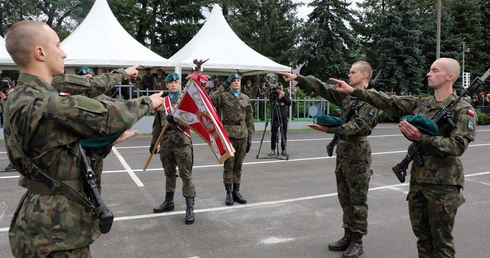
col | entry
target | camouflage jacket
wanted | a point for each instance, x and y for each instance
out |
(174, 133)
(362, 125)
(90, 87)
(236, 113)
(440, 153)
(47, 127)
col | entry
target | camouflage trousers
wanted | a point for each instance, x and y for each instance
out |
(232, 171)
(173, 156)
(352, 187)
(432, 210)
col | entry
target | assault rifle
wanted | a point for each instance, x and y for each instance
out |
(90, 186)
(442, 115)
(353, 112)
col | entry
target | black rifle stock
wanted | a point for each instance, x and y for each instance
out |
(441, 116)
(90, 186)
(353, 112)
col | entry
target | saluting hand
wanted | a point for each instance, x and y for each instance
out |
(157, 100)
(342, 86)
(287, 76)
(132, 71)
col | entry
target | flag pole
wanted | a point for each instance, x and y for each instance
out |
(156, 146)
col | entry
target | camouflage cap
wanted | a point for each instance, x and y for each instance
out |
(85, 70)
(233, 77)
(172, 77)
(424, 124)
(328, 120)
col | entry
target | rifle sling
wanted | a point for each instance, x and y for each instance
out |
(54, 186)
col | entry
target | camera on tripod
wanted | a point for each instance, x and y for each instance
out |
(274, 91)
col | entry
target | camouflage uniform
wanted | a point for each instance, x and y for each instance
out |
(353, 167)
(175, 151)
(250, 91)
(435, 187)
(262, 96)
(238, 121)
(47, 127)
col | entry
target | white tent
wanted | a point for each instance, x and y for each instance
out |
(101, 41)
(6, 61)
(226, 51)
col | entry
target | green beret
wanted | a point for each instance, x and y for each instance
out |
(172, 77)
(99, 142)
(424, 124)
(233, 76)
(85, 70)
(328, 120)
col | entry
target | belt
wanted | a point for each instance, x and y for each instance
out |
(41, 188)
(232, 123)
(357, 138)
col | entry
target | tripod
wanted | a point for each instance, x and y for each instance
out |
(275, 112)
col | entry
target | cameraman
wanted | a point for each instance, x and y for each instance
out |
(5, 86)
(279, 99)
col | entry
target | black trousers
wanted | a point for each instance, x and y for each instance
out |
(274, 132)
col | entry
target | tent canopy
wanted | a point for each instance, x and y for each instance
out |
(101, 41)
(6, 61)
(227, 53)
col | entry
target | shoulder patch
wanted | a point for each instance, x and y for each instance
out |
(471, 125)
(470, 112)
(372, 112)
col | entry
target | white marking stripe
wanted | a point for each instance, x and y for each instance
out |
(128, 168)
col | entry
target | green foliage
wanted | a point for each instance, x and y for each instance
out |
(483, 119)
(386, 117)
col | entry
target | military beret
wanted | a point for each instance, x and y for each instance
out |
(233, 76)
(328, 120)
(423, 123)
(148, 68)
(85, 70)
(172, 77)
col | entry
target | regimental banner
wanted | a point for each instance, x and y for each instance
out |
(197, 112)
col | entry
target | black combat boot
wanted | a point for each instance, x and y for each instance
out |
(229, 198)
(237, 197)
(343, 243)
(167, 205)
(355, 247)
(189, 212)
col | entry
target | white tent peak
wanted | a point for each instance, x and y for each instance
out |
(226, 51)
(100, 40)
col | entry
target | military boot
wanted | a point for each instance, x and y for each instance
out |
(167, 205)
(237, 197)
(189, 212)
(355, 247)
(343, 243)
(229, 197)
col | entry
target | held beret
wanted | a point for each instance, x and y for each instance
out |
(328, 120)
(172, 77)
(99, 142)
(424, 124)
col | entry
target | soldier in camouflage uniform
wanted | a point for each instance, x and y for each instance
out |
(42, 134)
(237, 118)
(178, 151)
(435, 187)
(353, 167)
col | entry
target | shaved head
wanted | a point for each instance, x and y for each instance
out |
(451, 66)
(364, 67)
(22, 38)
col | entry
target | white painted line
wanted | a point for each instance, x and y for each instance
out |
(128, 168)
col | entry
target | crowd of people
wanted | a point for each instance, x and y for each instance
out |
(68, 114)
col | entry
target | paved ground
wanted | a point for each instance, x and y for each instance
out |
(293, 209)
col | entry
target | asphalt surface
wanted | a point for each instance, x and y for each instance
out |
(292, 209)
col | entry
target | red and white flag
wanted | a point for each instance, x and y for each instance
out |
(197, 112)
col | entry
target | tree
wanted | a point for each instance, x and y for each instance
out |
(328, 44)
